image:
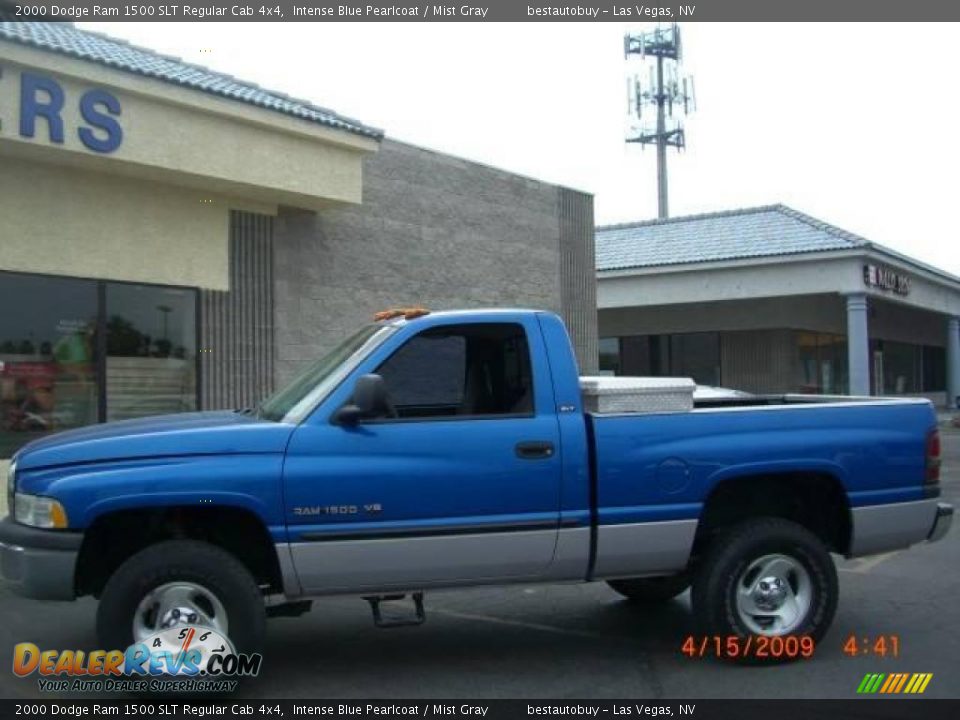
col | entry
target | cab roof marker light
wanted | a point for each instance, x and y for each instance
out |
(408, 313)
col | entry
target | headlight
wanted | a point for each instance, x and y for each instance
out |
(41, 512)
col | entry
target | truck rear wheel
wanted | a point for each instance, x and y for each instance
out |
(653, 589)
(181, 582)
(766, 577)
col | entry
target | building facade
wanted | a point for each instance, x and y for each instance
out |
(176, 239)
(770, 300)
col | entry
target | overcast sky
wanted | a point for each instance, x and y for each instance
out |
(856, 124)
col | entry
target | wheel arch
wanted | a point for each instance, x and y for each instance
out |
(113, 537)
(813, 497)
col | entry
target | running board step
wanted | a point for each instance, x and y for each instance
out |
(418, 618)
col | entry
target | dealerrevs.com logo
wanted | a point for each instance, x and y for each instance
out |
(187, 658)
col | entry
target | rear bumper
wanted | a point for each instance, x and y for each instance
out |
(38, 564)
(882, 528)
(941, 522)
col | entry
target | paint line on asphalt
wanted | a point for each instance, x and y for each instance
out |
(865, 565)
(527, 625)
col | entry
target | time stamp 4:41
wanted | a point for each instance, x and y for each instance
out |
(876, 646)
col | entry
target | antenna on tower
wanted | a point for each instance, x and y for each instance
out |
(667, 89)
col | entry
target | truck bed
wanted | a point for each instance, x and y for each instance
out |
(654, 472)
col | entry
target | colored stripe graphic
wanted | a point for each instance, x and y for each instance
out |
(903, 681)
(894, 683)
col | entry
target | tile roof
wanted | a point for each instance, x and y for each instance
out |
(767, 231)
(66, 39)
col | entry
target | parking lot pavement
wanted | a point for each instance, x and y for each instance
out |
(571, 641)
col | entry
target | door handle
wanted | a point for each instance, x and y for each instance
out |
(534, 450)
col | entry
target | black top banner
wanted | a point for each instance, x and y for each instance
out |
(480, 11)
(542, 709)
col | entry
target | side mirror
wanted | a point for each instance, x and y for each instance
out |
(369, 401)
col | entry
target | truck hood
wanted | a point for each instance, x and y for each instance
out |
(221, 432)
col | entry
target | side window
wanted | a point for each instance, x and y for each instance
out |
(462, 370)
(426, 376)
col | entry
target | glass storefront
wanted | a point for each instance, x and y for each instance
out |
(907, 369)
(610, 356)
(75, 352)
(823, 363)
(48, 357)
(695, 355)
(151, 350)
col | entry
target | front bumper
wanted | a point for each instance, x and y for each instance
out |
(38, 564)
(941, 522)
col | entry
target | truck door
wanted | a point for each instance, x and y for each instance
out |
(460, 484)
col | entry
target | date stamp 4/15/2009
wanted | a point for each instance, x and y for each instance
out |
(758, 647)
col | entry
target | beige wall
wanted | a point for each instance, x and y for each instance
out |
(73, 222)
(188, 137)
(156, 209)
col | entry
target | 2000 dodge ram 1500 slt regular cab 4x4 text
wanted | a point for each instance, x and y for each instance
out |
(450, 449)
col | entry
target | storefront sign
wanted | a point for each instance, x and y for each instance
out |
(42, 100)
(876, 276)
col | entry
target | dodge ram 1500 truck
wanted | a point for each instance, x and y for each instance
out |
(452, 449)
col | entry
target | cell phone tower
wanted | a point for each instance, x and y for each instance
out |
(667, 90)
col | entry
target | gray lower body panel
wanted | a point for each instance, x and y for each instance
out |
(881, 528)
(650, 548)
(341, 566)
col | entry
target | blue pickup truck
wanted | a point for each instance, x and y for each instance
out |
(435, 450)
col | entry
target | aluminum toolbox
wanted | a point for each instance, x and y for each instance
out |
(607, 394)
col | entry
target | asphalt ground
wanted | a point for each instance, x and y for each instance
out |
(570, 641)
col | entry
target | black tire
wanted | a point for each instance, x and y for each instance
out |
(651, 590)
(189, 560)
(726, 563)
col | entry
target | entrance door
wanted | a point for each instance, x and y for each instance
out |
(461, 484)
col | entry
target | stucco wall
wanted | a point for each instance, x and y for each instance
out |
(432, 229)
(181, 136)
(68, 221)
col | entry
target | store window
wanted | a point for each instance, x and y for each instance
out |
(823, 363)
(151, 350)
(48, 351)
(694, 355)
(55, 371)
(897, 367)
(610, 356)
(934, 369)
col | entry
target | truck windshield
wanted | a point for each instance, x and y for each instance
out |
(294, 401)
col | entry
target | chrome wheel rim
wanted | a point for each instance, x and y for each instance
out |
(178, 603)
(773, 595)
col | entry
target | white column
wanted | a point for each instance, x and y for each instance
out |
(858, 344)
(953, 361)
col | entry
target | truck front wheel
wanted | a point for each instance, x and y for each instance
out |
(181, 582)
(651, 590)
(766, 577)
